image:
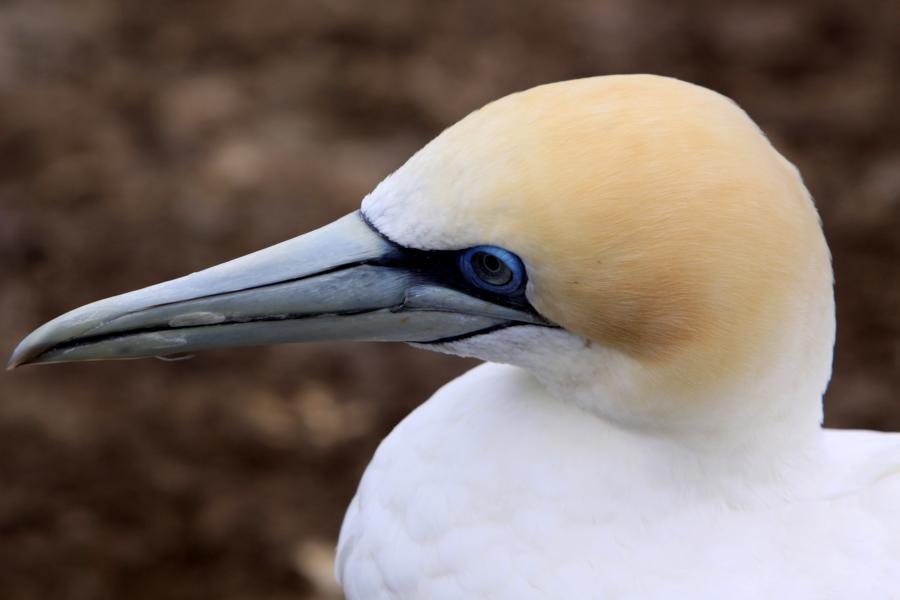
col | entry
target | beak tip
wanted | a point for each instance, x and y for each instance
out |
(24, 354)
(17, 359)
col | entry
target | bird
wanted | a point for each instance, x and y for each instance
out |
(646, 280)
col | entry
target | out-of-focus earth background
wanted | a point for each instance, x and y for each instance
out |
(144, 140)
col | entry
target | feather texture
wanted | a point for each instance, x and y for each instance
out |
(666, 443)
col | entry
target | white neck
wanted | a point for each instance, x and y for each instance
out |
(748, 444)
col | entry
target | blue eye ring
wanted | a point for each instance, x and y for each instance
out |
(493, 269)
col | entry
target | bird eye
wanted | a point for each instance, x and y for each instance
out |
(493, 269)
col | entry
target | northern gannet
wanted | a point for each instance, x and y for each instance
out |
(647, 279)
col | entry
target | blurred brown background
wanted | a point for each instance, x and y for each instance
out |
(143, 140)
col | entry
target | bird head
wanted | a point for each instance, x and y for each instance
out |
(635, 238)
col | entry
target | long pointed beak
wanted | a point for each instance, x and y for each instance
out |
(341, 282)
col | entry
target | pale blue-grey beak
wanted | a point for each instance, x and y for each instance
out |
(341, 282)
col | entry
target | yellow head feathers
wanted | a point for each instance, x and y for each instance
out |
(653, 216)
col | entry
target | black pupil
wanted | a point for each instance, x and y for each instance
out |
(491, 269)
(492, 263)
